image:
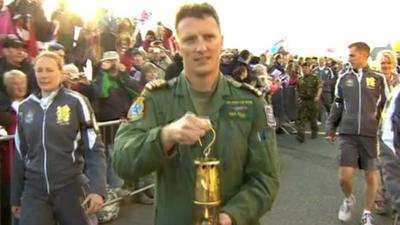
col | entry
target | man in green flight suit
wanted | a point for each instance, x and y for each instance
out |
(309, 92)
(168, 120)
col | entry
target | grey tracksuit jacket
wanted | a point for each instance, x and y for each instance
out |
(57, 142)
(359, 99)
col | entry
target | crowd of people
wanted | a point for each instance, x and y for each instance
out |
(44, 64)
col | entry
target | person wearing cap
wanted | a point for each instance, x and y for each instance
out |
(77, 81)
(115, 91)
(58, 49)
(166, 122)
(15, 57)
(309, 92)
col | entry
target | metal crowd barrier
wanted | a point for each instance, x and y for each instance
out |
(108, 130)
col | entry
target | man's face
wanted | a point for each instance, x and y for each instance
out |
(357, 58)
(15, 55)
(306, 70)
(200, 44)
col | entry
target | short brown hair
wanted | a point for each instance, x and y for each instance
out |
(52, 55)
(361, 46)
(196, 10)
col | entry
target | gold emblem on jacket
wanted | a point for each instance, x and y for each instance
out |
(370, 82)
(63, 115)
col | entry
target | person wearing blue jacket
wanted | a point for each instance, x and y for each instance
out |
(59, 170)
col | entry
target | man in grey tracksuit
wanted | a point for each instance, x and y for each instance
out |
(59, 160)
(360, 96)
(389, 148)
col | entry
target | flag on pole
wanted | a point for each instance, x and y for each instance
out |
(144, 16)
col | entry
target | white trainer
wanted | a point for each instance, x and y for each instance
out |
(367, 219)
(346, 209)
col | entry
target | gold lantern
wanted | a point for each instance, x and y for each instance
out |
(207, 193)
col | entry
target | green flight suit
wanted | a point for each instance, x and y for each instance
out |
(245, 146)
(307, 89)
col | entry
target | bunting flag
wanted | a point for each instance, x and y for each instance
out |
(275, 47)
(145, 16)
(330, 50)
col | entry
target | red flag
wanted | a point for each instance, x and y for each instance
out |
(146, 14)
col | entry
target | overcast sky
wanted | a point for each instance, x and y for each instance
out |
(309, 26)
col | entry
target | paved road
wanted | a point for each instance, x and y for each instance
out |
(309, 194)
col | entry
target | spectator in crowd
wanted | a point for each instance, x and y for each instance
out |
(359, 99)
(227, 63)
(327, 78)
(115, 91)
(149, 38)
(240, 74)
(175, 68)
(125, 37)
(149, 71)
(58, 49)
(68, 21)
(161, 138)
(138, 35)
(32, 14)
(15, 57)
(159, 58)
(309, 92)
(77, 81)
(277, 64)
(16, 85)
(263, 79)
(68, 183)
(136, 60)
(164, 34)
(389, 151)
(6, 24)
(243, 60)
(108, 31)
(387, 66)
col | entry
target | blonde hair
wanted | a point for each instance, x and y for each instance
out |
(51, 55)
(390, 55)
(12, 74)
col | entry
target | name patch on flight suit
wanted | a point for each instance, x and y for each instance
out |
(63, 115)
(238, 110)
(136, 110)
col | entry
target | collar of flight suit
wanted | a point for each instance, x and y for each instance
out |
(217, 100)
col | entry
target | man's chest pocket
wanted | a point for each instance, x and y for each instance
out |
(234, 141)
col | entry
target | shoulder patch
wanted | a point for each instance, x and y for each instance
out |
(156, 84)
(136, 111)
(251, 89)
